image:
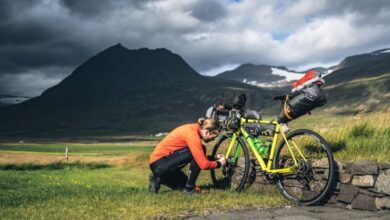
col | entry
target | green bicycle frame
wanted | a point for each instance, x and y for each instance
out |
(267, 167)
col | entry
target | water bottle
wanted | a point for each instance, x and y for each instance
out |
(268, 145)
(262, 148)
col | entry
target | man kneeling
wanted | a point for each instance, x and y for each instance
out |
(181, 146)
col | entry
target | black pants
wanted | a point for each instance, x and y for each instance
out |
(169, 169)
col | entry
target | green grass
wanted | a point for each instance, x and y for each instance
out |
(97, 190)
(352, 138)
(111, 193)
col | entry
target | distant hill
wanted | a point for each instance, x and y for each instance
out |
(261, 75)
(359, 83)
(6, 100)
(365, 94)
(127, 91)
(359, 66)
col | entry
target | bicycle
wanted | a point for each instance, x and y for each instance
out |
(300, 162)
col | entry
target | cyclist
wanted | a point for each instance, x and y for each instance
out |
(181, 146)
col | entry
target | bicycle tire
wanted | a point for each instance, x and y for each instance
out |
(282, 181)
(242, 178)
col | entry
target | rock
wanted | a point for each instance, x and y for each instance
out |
(340, 204)
(368, 193)
(384, 166)
(338, 186)
(297, 191)
(377, 194)
(378, 203)
(345, 178)
(363, 181)
(364, 202)
(321, 163)
(347, 193)
(364, 168)
(347, 167)
(346, 198)
(326, 174)
(382, 203)
(332, 200)
(261, 179)
(348, 189)
(382, 184)
(317, 186)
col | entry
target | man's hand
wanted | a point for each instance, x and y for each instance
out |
(221, 159)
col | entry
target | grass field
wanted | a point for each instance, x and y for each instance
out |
(98, 190)
(352, 138)
(109, 180)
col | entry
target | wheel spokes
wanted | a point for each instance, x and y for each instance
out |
(313, 167)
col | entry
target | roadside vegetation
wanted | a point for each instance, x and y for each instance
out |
(359, 137)
(82, 190)
(110, 180)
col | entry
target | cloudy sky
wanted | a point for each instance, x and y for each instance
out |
(43, 41)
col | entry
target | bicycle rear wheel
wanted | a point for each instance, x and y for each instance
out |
(314, 175)
(235, 174)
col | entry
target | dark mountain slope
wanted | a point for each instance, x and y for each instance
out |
(121, 90)
(360, 66)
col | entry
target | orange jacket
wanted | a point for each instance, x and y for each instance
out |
(180, 137)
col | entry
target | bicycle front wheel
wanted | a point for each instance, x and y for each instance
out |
(235, 174)
(311, 182)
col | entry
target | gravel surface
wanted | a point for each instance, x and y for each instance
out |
(300, 213)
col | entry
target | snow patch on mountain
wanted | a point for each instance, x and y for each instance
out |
(385, 51)
(279, 83)
(290, 76)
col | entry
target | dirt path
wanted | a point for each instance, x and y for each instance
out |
(301, 213)
(21, 158)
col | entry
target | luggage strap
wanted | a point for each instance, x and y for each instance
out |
(286, 111)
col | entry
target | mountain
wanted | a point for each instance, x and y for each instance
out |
(125, 91)
(261, 75)
(6, 100)
(365, 94)
(360, 83)
(359, 66)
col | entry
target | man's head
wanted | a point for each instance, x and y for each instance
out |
(209, 129)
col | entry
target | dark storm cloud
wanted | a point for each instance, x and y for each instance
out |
(94, 8)
(88, 7)
(18, 59)
(49, 39)
(34, 41)
(9, 7)
(208, 10)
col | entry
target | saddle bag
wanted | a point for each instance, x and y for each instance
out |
(306, 96)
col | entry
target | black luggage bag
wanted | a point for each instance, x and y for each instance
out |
(301, 102)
